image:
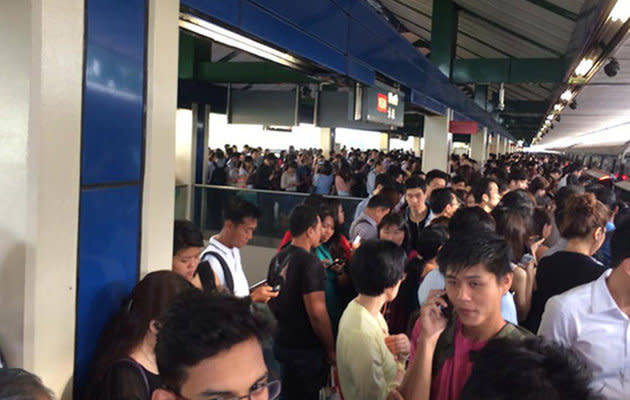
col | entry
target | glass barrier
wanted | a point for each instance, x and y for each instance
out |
(275, 207)
(181, 201)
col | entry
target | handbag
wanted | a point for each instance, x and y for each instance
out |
(332, 390)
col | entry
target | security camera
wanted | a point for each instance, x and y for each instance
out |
(612, 68)
(558, 117)
(573, 105)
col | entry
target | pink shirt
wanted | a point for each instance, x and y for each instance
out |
(450, 380)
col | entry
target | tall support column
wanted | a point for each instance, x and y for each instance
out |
(492, 144)
(444, 35)
(384, 144)
(479, 145)
(500, 141)
(327, 141)
(41, 69)
(158, 200)
(436, 142)
(416, 146)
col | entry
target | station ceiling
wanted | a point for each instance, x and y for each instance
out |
(529, 45)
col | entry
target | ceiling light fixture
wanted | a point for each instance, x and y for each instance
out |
(557, 107)
(232, 39)
(621, 11)
(583, 67)
(567, 95)
(612, 68)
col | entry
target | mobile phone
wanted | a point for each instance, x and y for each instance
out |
(447, 311)
(258, 284)
(526, 259)
(357, 240)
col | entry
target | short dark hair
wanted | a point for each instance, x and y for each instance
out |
(436, 174)
(379, 201)
(464, 251)
(440, 198)
(482, 187)
(458, 179)
(186, 234)
(603, 194)
(376, 266)
(528, 369)
(517, 174)
(18, 384)
(200, 325)
(470, 219)
(415, 182)
(392, 219)
(302, 217)
(430, 239)
(237, 209)
(385, 180)
(620, 243)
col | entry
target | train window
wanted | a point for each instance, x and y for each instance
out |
(596, 161)
(608, 163)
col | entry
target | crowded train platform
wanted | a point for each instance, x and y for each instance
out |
(315, 200)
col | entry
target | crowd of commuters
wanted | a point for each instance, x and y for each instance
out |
(437, 291)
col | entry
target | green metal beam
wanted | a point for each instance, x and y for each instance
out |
(443, 35)
(186, 64)
(526, 107)
(563, 12)
(248, 72)
(481, 96)
(509, 70)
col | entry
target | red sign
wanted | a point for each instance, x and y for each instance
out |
(381, 104)
(463, 127)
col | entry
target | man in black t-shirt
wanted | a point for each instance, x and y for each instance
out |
(304, 343)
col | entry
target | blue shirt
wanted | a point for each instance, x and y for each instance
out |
(322, 184)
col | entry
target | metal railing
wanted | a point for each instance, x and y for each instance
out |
(203, 204)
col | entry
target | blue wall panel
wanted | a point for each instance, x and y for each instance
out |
(322, 18)
(111, 167)
(224, 10)
(259, 22)
(360, 71)
(114, 89)
(109, 229)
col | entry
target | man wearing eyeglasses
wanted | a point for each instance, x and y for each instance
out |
(209, 348)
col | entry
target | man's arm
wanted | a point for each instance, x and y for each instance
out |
(315, 303)
(556, 324)
(417, 382)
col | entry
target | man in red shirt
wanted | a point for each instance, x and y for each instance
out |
(452, 329)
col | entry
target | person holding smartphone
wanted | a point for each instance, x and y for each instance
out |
(478, 273)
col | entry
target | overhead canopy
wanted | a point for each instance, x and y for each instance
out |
(529, 45)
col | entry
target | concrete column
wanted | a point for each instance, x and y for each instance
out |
(492, 144)
(436, 142)
(500, 143)
(479, 146)
(416, 146)
(384, 145)
(326, 137)
(41, 76)
(158, 200)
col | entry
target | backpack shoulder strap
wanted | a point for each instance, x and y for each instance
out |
(229, 280)
(140, 370)
(206, 276)
(445, 347)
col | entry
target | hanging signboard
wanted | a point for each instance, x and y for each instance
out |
(463, 127)
(383, 106)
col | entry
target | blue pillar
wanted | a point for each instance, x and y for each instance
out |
(112, 167)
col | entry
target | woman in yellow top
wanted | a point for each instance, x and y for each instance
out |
(369, 360)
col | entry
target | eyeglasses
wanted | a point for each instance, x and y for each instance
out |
(259, 391)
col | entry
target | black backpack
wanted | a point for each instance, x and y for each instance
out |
(206, 276)
(219, 175)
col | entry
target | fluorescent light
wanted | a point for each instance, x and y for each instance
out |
(585, 65)
(549, 117)
(232, 39)
(621, 11)
(557, 107)
(567, 95)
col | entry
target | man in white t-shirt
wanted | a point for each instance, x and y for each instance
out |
(240, 219)
(594, 320)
